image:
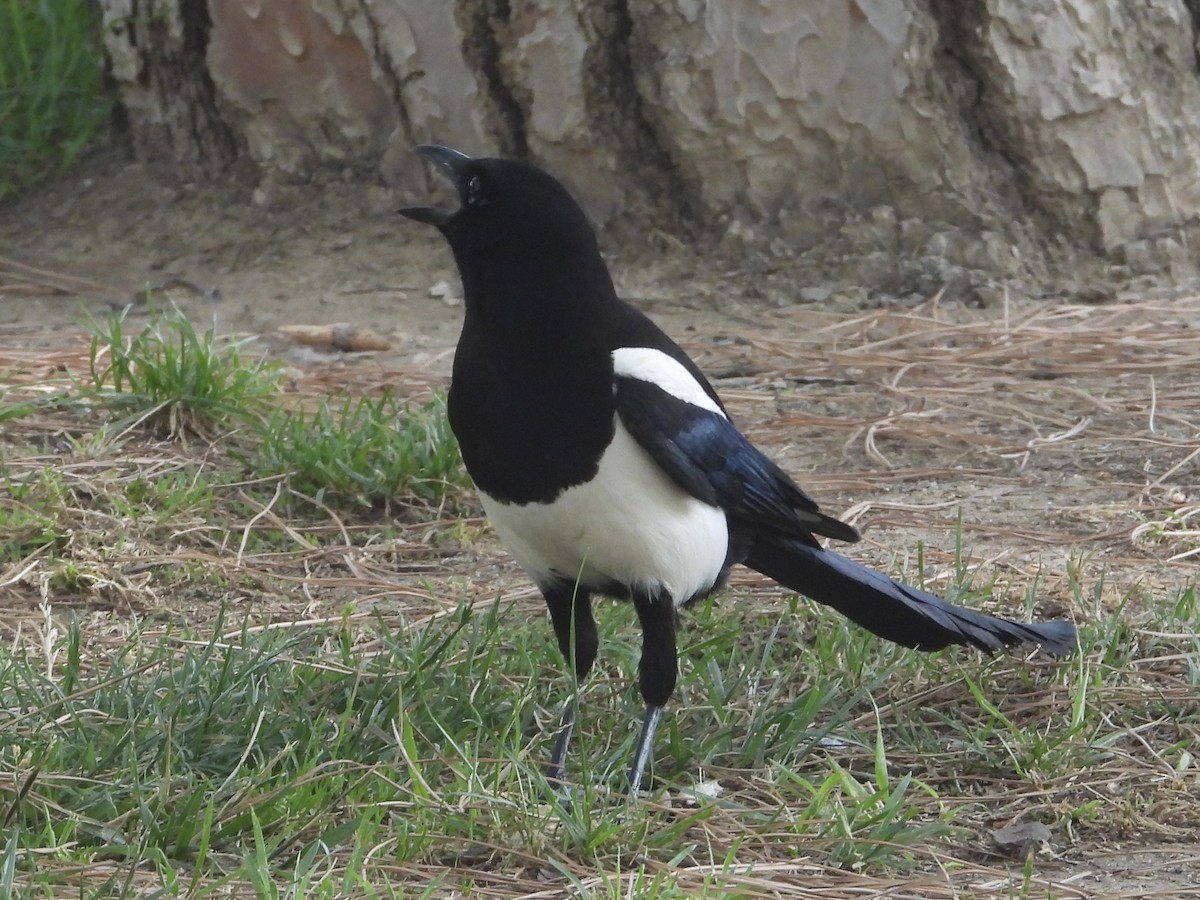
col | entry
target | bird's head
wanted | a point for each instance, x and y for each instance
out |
(504, 206)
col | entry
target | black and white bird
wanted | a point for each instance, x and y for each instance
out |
(606, 462)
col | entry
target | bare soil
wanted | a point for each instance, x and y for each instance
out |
(1065, 435)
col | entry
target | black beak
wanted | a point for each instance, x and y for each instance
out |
(451, 163)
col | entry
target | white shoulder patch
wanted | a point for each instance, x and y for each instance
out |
(654, 366)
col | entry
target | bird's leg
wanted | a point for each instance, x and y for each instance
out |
(657, 672)
(645, 747)
(571, 613)
(556, 770)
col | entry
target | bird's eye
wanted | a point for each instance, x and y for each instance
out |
(475, 191)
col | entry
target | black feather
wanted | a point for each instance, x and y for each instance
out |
(898, 612)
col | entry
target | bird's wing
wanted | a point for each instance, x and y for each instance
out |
(702, 452)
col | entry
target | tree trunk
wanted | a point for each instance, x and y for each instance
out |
(990, 134)
(157, 52)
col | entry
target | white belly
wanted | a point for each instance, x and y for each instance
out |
(630, 524)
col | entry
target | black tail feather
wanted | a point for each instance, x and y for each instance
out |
(900, 613)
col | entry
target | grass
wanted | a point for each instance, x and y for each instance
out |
(342, 756)
(51, 81)
(206, 692)
(168, 381)
(367, 450)
(173, 378)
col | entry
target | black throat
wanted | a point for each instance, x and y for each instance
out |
(531, 401)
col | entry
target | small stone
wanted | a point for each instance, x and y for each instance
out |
(444, 291)
(1024, 839)
(818, 293)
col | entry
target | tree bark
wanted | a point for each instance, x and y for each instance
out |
(992, 134)
(157, 51)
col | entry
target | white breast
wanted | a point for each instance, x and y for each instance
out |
(630, 524)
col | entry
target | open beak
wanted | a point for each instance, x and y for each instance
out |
(450, 163)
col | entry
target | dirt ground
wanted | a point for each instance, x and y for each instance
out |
(1066, 435)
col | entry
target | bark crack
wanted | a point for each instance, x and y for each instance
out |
(618, 110)
(484, 24)
(175, 71)
(207, 126)
(964, 80)
(395, 82)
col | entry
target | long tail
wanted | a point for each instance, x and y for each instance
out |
(896, 611)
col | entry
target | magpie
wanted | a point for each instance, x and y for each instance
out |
(607, 463)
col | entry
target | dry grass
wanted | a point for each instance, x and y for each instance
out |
(1066, 437)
